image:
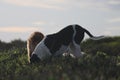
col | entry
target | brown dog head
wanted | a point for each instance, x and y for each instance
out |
(32, 42)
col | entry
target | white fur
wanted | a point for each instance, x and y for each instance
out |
(97, 38)
(74, 32)
(42, 51)
(75, 50)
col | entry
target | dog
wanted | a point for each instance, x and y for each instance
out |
(66, 40)
(32, 42)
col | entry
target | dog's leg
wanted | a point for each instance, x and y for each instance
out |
(67, 52)
(75, 50)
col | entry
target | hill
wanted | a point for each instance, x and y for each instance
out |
(101, 62)
(109, 45)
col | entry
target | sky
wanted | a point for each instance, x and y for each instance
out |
(20, 18)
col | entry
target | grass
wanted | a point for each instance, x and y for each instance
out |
(102, 62)
(101, 66)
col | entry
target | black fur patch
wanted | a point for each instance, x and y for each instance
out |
(34, 58)
(79, 34)
(63, 37)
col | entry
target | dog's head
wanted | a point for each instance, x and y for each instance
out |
(34, 59)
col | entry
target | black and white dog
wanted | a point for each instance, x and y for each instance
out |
(66, 40)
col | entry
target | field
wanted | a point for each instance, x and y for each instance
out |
(101, 62)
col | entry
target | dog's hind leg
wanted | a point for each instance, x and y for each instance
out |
(75, 50)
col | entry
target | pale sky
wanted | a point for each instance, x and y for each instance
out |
(19, 18)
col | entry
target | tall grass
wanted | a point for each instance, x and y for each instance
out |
(97, 66)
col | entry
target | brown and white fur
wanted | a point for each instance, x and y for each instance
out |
(32, 42)
(66, 40)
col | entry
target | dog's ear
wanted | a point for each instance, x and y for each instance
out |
(34, 58)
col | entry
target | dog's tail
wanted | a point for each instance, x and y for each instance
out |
(93, 37)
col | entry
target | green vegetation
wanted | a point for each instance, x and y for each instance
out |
(108, 45)
(101, 62)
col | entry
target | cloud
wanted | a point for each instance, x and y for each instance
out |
(107, 33)
(89, 3)
(66, 4)
(17, 29)
(114, 20)
(103, 5)
(38, 23)
(114, 2)
(50, 4)
(114, 30)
